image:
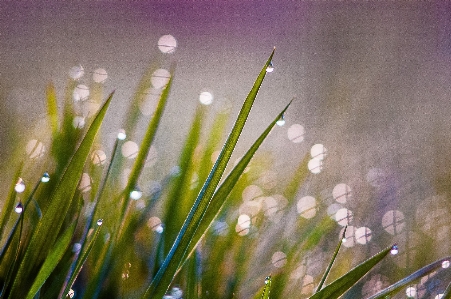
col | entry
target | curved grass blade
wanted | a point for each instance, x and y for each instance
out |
(9, 203)
(342, 284)
(79, 262)
(219, 198)
(405, 281)
(267, 288)
(326, 273)
(52, 109)
(447, 293)
(51, 261)
(48, 228)
(164, 276)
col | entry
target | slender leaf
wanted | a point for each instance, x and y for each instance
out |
(405, 281)
(164, 276)
(447, 293)
(339, 286)
(52, 109)
(7, 209)
(52, 261)
(85, 250)
(326, 273)
(267, 288)
(219, 198)
(47, 229)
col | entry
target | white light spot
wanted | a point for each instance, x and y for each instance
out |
(76, 72)
(35, 149)
(85, 183)
(167, 44)
(45, 177)
(318, 151)
(160, 78)
(439, 296)
(343, 217)
(315, 165)
(411, 292)
(98, 157)
(99, 75)
(394, 250)
(121, 135)
(78, 122)
(205, 98)
(296, 133)
(279, 259)
(130, 149)
(20, 186)
(71, 293)
(306, 207)
(281, 121)
(176, 293)
(445, 264)
(270, 68)
(363, 235)
(341, 193)
(136, 194)
(244, 221)
(81, 93)
(19, 208)
(76, 248)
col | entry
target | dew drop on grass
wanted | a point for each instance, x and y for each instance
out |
(136, 194)
(176, 292)
(99, 222)
(445, 264)
(76, 248)
(71, 293)
(121, 134)
(270, 68)
(394, 250)
(19, 208)
(267, 279)
(45, 177)
(20, 186)
(281, 121)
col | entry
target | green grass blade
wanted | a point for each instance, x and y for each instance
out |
(7, 209)
(145, 146)
(47, 229)
(219, 198)
(52, 109)
(164, 276)
(326, 273)
(52, 261)
(407, 280)
(342, 284)
(447, 293)
(267, 288)
(80, 261)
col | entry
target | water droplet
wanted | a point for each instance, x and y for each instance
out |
(71, 293)
(136, 194)
(76, 248)
(267, 279)
(445, 264)
(20, 186)
(45, 177)
(99, 222)
(121, 134)
(159, 229)
(270, 68)
(394, 250)
(344, 240)
(19, 208)
(176, 292)
(205, 98)
(281, 121)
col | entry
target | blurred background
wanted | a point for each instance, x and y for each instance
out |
(371, 83)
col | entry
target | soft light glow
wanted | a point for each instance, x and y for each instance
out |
(98, 157)
(99, 75)
(445, 264)
(176, 293)
(76, 248)
(279, 259)
(167, 44)
(411, 292)
(160, 78)
(349, 239)
(81, 93)
(296, 133)
(306, 207)
(149, 103)
(439, 296)
(244, 221)
(121, 135)
(76, 72)
(318, 151)
(20, 186)
(78, 122)
(343, 217)
(35, 149)
(85, 183)
(130, 149)
(268, 179)
(136, 194)
(393, 222)
(251, 192)
(315, 165)
(205, 98)
(362, 235)
(341, 193)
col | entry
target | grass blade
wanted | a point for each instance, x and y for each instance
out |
(219, 198)
(342, 284)
(447, 293)
(52, 261)
(9, 203)
(80, 261)
(267, 288)
(326, 273)
(52, 109)
(405, 281)
(164, 276)
(47, 229)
